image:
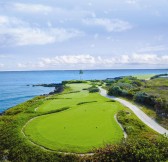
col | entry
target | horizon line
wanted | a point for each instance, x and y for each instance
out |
(81, 69)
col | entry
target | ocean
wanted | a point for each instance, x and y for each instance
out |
(14, 89)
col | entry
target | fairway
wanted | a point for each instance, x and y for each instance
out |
(88, 123)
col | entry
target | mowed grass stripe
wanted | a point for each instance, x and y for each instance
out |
(80, 128)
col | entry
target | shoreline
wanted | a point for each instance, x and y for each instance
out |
(58, 88)
(55, 85)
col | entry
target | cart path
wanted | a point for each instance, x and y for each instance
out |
(139, 113)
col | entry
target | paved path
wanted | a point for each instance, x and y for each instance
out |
(125, 134)
(139, 113)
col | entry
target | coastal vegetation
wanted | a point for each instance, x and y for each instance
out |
(132, 150)
(159, 75)
(149, 94)
(62, 127)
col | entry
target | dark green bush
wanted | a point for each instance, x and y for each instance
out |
(133, 150)
(144, 98)
(73, 81)
(159, 75)
(115, 90)
(93, 89)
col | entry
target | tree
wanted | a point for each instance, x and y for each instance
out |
(115, 90)
(80, 73)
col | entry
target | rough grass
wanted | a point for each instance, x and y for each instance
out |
(78, 129)
(133, 126)
(157, 87)
(144, 76)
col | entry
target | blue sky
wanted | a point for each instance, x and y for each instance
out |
(62, 34)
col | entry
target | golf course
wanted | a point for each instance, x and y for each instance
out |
(78, 124)
(85, 121)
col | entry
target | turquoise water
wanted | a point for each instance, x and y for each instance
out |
(14, 89)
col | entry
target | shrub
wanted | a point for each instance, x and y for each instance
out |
(133, 150)
(144, 98)
(73, 81)
(93, 89)
(159, 75)
(115, 90)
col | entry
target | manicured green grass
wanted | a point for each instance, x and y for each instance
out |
(79, 129)
(69, 98)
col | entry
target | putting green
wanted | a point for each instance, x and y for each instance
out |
(79, 129)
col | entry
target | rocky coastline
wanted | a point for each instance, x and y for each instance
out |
(58, 88)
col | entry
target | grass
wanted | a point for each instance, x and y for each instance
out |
(81, 128)
(157, 87)
(67, 99)
(133, 126)
(144, 76)
(161, 120)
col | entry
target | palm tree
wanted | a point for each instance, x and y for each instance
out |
(80, 73)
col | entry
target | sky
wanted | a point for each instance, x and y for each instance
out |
(86, 34)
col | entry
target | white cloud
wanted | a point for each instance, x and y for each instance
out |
(36, 36)
(17, 32)
(70, 59)
(3, 20)
(2, 56)
(148, 59)
(111, 25)
(6, 22)
(32, 8)
(1, 65)
(87, 61)
(62, 14)
(145, 59)
(28, 36)
(21, 65)
(123, 59)
(131, 1)
(154, 48)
